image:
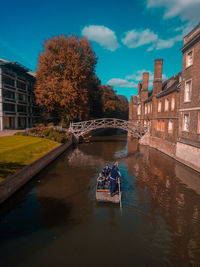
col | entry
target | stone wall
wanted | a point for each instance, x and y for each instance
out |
(189, 155)
(186, 154)
(160, 144)
(16, 181)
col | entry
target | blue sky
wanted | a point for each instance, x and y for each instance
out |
(126, 35)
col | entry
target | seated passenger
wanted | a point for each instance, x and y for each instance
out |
(106, 170)
(100, 181)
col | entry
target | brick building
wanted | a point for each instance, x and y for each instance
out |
(171, 110)
(17, 101)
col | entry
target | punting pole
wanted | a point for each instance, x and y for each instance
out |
(120, 199)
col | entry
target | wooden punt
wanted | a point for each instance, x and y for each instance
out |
(104, 196)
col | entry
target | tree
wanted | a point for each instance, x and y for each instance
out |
(65, 77)
(113, 105)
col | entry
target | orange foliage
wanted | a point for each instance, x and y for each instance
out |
(65, 75)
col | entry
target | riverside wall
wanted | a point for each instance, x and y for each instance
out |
(9, 186)
(185, 154)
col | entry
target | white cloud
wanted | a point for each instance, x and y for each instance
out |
(102, 35)
(132, 80)
(186, 9)
(136, 38)
(137, 76)
(121, 83)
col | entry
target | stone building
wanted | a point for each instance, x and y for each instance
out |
(17, 102)
(171, 110)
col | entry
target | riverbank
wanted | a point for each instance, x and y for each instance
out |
(19, 151)
(13, 183)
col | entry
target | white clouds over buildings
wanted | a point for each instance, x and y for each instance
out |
(121, 83)
(132, 80)
(136, 38)
(102, 35)
(185, 9)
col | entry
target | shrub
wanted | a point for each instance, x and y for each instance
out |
(21, 133)
(40, 125)
(50, 124)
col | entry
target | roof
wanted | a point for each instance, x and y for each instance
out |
(17, 66)
(170, 85)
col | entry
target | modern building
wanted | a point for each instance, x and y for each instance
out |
(17, 102)
(171, 110)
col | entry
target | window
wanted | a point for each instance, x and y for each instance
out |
(8, 81)
(21, 108)
(189, 59)
(166, 104)
(159, 106)
(145, 109)
(9, 107)
(186, 122)
(188, 91)
(139, 110)
(173, 103)
(198, 123)
(170, 126)
(148, 108)
(8, 94)
(158, 125)
(21, 85)
(162, 126)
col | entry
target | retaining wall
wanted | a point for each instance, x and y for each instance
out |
(185, 154)
(16, 181)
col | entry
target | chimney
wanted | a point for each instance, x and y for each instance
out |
(157, 83)
(139, 88)
(145, 81)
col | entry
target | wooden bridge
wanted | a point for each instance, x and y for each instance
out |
(84, 127)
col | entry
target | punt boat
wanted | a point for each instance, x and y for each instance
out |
(103, 194)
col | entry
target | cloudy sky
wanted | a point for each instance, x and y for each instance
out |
(126, 35)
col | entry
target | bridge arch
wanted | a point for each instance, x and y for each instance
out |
(84, 127)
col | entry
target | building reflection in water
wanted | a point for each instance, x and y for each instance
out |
(174, 192)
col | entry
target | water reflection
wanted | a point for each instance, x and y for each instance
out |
(160, 179)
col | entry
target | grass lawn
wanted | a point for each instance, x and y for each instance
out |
(18, 151)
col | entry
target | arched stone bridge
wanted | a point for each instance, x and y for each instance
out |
(84, 127)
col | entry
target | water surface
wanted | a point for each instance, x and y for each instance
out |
(55, 221)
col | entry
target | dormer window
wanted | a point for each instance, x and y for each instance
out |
(189, 60)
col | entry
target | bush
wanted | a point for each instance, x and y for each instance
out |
(40, 125)
(50, 124)
(57, 136)
(21, 133)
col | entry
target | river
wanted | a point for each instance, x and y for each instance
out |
(55, 220)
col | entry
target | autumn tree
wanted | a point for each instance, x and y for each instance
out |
(113, 105)
(65, 77)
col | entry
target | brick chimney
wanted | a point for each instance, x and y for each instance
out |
(139, 86)
(157, 83)
(145, 81)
